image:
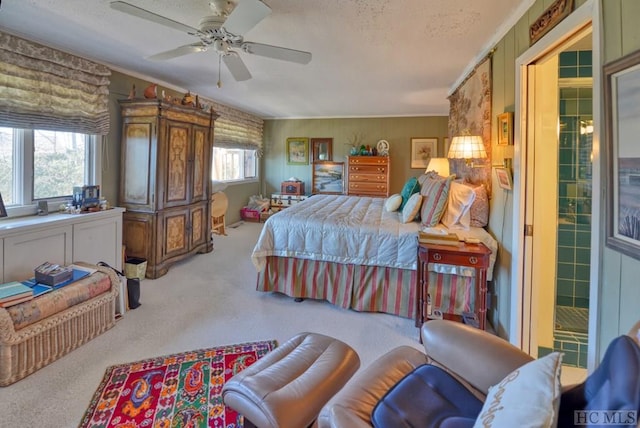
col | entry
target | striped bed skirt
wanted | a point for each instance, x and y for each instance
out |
(364, 288)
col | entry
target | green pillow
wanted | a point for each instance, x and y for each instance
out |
(410, 187)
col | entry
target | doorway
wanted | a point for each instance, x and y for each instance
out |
(560, 141)
(554, 296)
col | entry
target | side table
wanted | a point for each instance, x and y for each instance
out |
(470, 255)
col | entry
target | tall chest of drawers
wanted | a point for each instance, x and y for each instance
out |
(368, 175)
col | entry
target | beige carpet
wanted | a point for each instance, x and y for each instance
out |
(205, 301)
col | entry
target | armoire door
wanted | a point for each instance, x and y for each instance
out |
(200, 158)
(175, 159)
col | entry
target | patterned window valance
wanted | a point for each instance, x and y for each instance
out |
(45, 88)
(235, 129)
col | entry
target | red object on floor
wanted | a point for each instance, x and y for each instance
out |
(250, 215)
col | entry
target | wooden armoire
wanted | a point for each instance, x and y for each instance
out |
(165, 181)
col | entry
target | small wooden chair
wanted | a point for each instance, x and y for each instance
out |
(219, 205)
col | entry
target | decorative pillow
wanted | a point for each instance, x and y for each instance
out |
(393, 202)
(411, 208)
(434, 191)
(460, 199)
(527, 397)
(480, 207)
(422, 178)
(410, 187)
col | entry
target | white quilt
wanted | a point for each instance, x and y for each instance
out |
(342, 229)
(350, 230)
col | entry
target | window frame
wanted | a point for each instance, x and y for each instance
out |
(253, 179)
(23, 158)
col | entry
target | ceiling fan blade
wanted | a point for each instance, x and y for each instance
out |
(236, 66)
(276, 52)
(150, 16)
(245, 16)
(182, 50)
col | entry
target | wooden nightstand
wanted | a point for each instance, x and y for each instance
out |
(471, 255)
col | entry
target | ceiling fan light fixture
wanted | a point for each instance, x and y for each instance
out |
(221, 46)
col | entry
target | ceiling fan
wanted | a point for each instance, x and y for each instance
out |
(222, 32)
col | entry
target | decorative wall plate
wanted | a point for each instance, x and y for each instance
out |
(383, 148)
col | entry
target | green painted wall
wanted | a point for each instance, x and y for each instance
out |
(619, 275)
(620, 293)
(398, 131)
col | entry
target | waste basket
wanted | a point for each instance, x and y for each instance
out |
(135, 267)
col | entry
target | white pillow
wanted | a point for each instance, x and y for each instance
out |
(393, 202)
(411, 208)
(527, 397)
(458, 205)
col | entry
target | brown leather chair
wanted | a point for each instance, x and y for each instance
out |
(478, 360)
(458, 348)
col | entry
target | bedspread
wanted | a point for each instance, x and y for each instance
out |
(340, 229)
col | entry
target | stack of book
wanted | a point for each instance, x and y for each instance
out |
(13, 293)
(438, 239)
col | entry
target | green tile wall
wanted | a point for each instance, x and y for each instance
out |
(574, 346)
(574, 186)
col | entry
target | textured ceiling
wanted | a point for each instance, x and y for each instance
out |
(370, 57)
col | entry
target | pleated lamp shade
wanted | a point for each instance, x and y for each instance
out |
(467, 147)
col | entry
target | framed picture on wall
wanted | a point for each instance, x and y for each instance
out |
(328, 177)
(298, 151)
(505, 129)
(504, 178)
(422, 150)
(321, 149)
(621, 126)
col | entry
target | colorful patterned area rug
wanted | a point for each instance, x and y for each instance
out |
(181, 390)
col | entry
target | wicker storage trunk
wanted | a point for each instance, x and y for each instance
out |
(28, 349)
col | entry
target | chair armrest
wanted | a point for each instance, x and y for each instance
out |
(353, 405)
(474, 356)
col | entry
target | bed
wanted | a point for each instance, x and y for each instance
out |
(355, 253)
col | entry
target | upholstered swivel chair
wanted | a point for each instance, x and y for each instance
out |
(447, 385)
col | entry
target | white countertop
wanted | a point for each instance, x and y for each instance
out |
(34, 222)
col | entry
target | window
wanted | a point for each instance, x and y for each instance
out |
(233, 164)
(38, 165)
(6, 166)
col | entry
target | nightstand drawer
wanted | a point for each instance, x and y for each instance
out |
(454, 259)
